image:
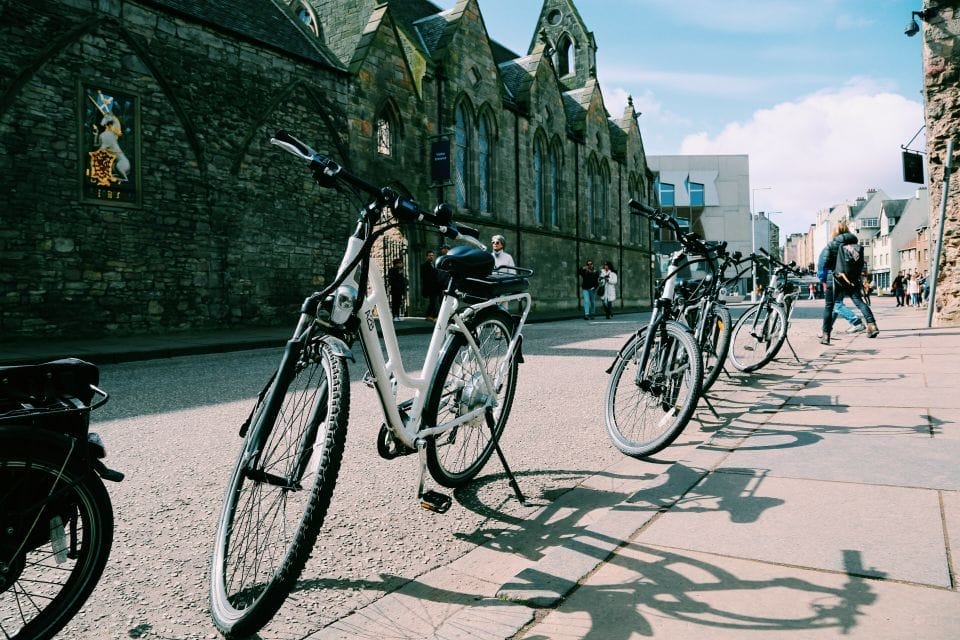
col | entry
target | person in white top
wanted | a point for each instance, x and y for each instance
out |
(608, 280)
(500, 257)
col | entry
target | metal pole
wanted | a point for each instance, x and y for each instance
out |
(753, 237)
(932, 279)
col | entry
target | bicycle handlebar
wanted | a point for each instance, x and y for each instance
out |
(326, 170)
(789, 268)
(690, 241)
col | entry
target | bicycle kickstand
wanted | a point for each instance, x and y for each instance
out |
(503, 459)
(795, 357)
(710, 406)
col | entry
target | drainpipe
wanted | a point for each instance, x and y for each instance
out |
(438, 74)
(576, 208)
(516, 180)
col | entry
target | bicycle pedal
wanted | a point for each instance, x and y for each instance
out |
(435, 501)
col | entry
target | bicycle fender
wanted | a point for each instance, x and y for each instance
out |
(619, 355)
(338, 346)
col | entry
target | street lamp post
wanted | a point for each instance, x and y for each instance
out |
(753, 236)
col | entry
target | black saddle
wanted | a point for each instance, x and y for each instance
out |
(473, 274)
(466, 262)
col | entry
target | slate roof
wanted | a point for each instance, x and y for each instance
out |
(517, 76)
(262, 21)
(575, 105)
(894, 209)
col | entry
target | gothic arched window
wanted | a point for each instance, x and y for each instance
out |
(463, 152)
(553, 185)
(538, 181)
(305, 14)
(564, 56)
(485, 163)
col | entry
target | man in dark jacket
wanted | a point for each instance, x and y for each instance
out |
(836, 290)
(430, 286)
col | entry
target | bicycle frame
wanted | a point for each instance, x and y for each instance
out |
(404, 419)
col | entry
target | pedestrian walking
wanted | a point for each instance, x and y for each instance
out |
(841, 283)
(913, 290)
(397, 282)
(841, 310)
(608, 283)
(813, 292)
(897, 288)
(430, 286)
(589, 278)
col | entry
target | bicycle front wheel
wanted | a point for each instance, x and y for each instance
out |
(757, 336)
(459, 393)
(280, 492)
(57, 526)
(649, 405)
(715, 343)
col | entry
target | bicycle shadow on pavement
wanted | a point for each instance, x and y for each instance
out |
(560, 511)
(653, 586)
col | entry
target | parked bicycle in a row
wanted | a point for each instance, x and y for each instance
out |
(664, 370)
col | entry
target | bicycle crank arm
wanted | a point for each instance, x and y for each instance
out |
(271, 479)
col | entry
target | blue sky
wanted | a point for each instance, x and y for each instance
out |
(819, 93)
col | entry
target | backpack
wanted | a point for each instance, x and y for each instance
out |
(849, 265)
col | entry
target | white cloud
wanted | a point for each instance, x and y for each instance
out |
(823, 149)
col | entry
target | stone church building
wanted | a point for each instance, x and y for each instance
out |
(139, 192)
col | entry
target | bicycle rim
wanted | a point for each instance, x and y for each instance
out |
(279, 494)
(647, 409)
(456, 456)
(756, 336)
(44, 505)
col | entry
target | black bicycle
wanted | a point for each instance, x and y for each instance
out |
(656, 378)
(761, 331)
(56, 519)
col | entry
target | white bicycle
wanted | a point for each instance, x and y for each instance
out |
(294, 439)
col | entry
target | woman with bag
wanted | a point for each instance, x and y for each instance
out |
(607, 289)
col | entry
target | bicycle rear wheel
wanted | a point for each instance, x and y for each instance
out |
(757, 336)
(715, 343)
(280, 492)
(57, 525)
(648, 408)
(457, 455)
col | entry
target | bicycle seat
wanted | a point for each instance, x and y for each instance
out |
(466, 262)
(45, 383)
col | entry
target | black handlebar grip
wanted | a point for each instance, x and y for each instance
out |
(764, 251)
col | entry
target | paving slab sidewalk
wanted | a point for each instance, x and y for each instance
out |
(823, 502)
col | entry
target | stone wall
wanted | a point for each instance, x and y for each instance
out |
(227, 230)
(941, 65)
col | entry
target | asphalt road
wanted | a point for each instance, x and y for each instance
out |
(171, 426)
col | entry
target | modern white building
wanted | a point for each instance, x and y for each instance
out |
(709, 195)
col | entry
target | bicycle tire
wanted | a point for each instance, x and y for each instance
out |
(641, 422)
(715, 344)
(266, 531)
(40, 481)
(751, 349)
(783, 334)
(456, 456)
